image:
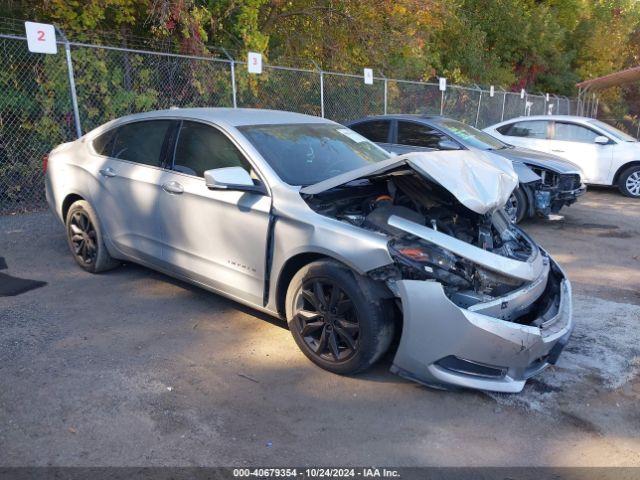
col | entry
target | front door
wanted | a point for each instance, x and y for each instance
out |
(577, 144)
(216, 237)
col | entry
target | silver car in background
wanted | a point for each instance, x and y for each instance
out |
(305, 219)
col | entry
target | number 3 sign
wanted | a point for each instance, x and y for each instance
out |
(41, 37)
(254, 62)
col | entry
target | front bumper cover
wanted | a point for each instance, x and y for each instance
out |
(488, 353)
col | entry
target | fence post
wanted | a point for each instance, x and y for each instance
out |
(479, 103)
(321, 87)
(233, 76)
(442, 103)
(504, 101)
(72, 82)
(386, 85)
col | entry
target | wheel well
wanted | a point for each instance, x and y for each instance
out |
(66, 204)
(635, 163)
(289, 269)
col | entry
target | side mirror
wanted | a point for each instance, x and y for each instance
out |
(231, 178)
(601, 140)
(448, 145)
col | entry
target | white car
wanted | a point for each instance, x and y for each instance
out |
(604, 154)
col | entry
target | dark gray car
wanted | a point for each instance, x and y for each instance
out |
(546, 182)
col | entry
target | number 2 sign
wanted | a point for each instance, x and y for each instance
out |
(41, 37)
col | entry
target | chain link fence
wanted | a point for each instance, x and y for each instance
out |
(37, 110)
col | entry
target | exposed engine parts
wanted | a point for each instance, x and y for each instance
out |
(369, 204)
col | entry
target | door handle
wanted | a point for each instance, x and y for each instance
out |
(108, 172)
(559, 151)
(173, 187)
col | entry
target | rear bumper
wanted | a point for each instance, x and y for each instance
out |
(452, 346)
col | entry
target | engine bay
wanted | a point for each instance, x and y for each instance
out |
(369, 203)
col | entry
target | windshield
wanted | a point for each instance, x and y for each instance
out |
(304, 154)
(469, 136)
(614, 132)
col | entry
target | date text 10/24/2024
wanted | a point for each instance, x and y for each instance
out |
(320, 472)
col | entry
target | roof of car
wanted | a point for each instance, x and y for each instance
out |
(231, 116)
(402, 116)
(574, 118)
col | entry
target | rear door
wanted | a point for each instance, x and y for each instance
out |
(378, 131)
(531, 134)
(216, 237)
(416, 137)
(128, 188)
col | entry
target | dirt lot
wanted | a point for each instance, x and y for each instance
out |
(134, 368)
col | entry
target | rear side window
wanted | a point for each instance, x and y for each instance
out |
(139, 142)
(417, 135)
(570, 132)
(103, 144)
(375, 130)
(201, 147)
(528, 129)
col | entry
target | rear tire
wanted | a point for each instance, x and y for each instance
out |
(517, 205)
(84, 237)
(629, 182)
(338, 318)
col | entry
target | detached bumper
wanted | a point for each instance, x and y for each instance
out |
(445, 345)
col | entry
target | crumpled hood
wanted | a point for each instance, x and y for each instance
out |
(481, 181)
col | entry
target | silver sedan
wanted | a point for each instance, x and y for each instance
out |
(305, 219)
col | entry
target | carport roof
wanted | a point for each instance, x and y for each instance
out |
(612, 80)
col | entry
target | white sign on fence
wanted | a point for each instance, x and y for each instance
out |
(442, 83)
(547, 97)
(368, 76)
(41, 37)
(254, 62)
(492, 91)
(522, 93)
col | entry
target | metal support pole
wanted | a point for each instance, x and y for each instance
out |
(72, 82)
(72, 87)
(638, 131)
(478, 110)
(442, 103)
(234, 93)
(595, 115)
(321, 94)
(321, 87)
(385, 94)
(233, 77)
(525, 104)
(504, 101)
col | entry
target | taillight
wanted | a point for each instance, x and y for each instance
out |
(45, 162)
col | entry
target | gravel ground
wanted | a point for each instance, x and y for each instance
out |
(134, 368)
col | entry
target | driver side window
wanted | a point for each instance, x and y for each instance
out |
(202, 147)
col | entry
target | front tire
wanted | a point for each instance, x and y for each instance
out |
(629, 182)
(337, 318)
(517, 205)
(84, 237)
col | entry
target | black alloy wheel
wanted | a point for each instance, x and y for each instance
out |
(83, 237)
(327, 320)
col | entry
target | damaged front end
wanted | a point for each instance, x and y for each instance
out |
(482, 305)
(556, 190)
